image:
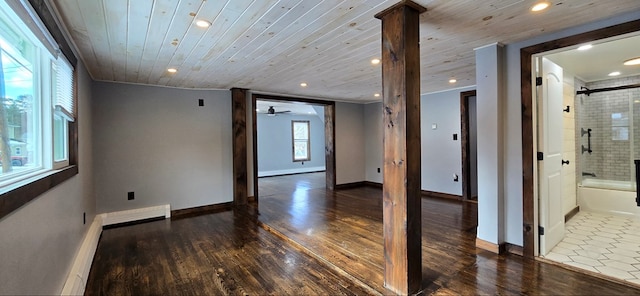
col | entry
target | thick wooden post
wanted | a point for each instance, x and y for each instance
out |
(239, 121)
(401, 115)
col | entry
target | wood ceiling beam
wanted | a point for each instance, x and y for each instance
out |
(401, 117)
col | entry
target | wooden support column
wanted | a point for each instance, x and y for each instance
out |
(239, 119)
(401, 114)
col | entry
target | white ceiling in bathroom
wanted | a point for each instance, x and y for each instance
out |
(603, 58)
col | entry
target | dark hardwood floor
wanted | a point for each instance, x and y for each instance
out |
(304, 239)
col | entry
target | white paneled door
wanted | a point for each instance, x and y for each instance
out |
(550, 137)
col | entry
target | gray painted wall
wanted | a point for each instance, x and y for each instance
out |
(40, 240)
(275, 143)
(373, 139)
(441, 155)
(160, 144)
(350, 139)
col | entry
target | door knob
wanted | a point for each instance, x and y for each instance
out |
(565, 162)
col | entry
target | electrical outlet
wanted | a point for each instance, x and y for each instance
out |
(200, 102)
(455, 137)
(131, 195)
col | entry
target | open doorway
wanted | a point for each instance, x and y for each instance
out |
(574, 220)
(587, 207)
(468, 139)
(293, 144)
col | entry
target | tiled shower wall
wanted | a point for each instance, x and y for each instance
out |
(611, 158)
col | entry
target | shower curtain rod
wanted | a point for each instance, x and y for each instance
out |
(588, 92)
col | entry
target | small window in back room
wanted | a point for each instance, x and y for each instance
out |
(301, 145)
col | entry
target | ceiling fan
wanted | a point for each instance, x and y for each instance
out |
(272, 111)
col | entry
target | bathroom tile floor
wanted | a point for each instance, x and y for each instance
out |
(601, 243)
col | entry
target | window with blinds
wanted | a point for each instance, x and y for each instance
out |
(63, 93)
(63, 103)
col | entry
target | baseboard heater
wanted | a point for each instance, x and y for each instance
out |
(135, 215)
(77, 279)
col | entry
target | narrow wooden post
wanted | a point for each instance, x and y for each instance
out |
(239, 119)
(330, 146)
(401, 114)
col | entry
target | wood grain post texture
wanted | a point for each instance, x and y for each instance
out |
(330, 146)
(401, 116)
(239, 119)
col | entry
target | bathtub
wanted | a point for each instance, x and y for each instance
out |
(608, 197)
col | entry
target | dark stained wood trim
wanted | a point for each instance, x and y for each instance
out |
(527, 120)
(350, 185)
(513, 249)
(48, 19)
(330, 145)
(571, 213)
(239, 119)
(373, 184)
(15, 198)
(441, 195)
(400, 5)
(402, 225)
(292, 99)
(201, 210)
(329, 135)
(73, 142)
(73, 126)
(465, 142)
(254, 135)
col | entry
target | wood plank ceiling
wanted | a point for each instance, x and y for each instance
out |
(273, 46)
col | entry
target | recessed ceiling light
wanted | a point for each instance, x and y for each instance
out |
(172, 70)
(632, 62)
(203, 23)
(375, 61)
(304, 84)
(452, 80)
(376, 95)
(585, 47)
(540, 6)
(616, 73)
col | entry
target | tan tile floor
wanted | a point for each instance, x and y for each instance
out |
(601, 243)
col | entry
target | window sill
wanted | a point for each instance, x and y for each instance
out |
(18, 194)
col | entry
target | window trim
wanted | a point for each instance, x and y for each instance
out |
(16, 195)
(294, 140)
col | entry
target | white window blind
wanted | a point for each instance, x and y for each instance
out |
(64, 87)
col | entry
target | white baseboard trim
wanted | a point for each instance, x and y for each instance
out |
(77, 279)
(135, 215)
(291, 171)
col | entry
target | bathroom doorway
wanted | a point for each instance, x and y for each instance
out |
(587, 213)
